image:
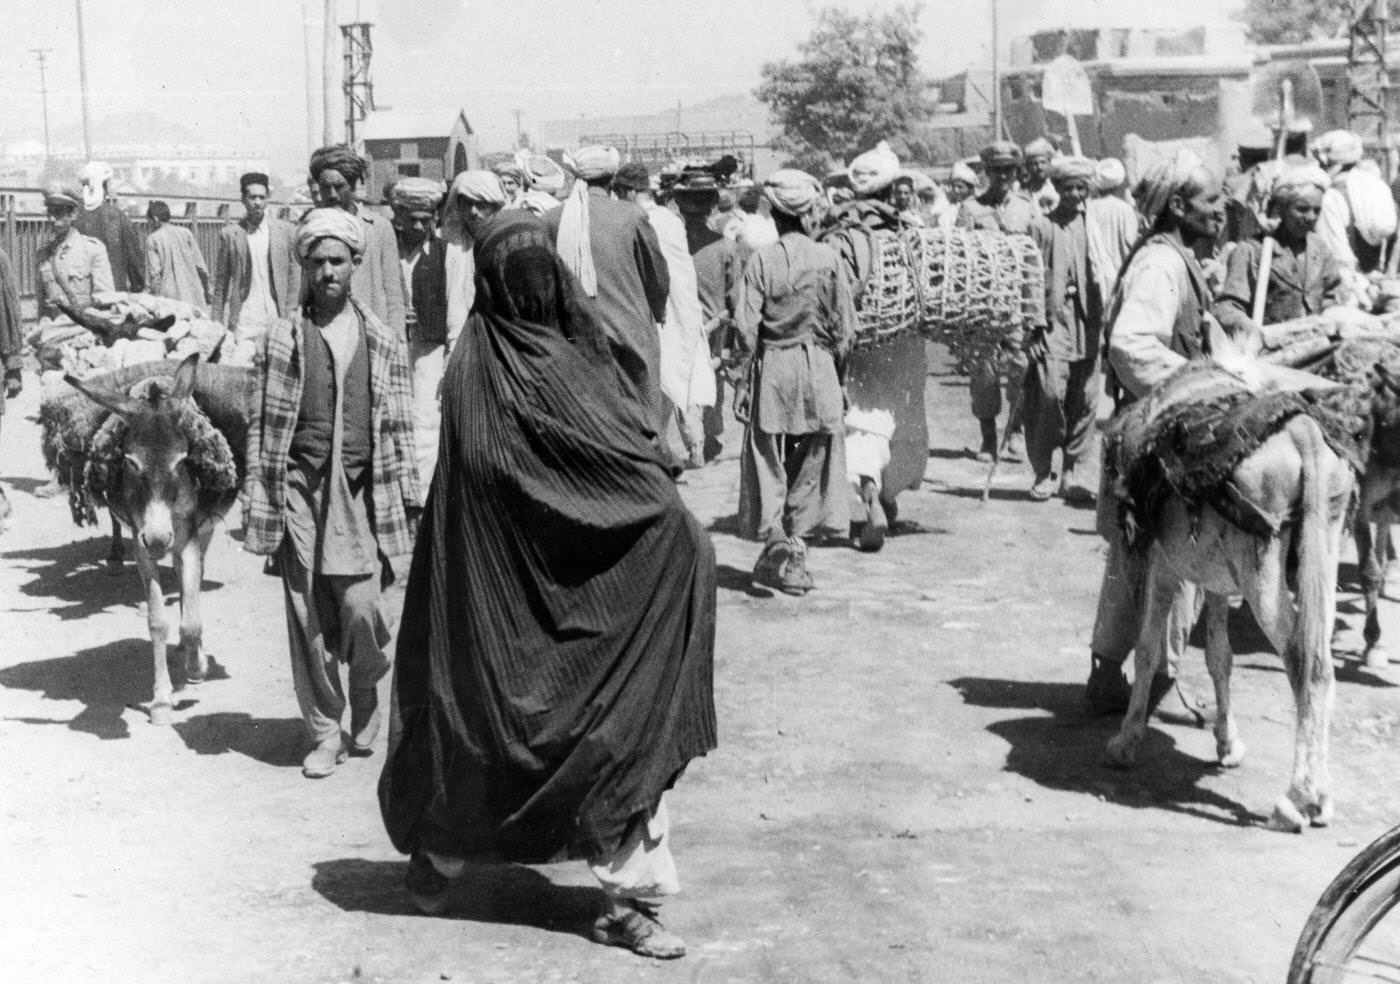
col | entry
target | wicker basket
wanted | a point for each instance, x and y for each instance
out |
(970, 290)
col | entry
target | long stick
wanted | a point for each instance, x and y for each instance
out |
(1261, 285)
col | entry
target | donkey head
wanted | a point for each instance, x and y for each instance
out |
(157, 488)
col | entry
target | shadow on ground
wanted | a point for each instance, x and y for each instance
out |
(1065, 751)
(278, 742)
(106, 679)
(75, 578)
(504, 894)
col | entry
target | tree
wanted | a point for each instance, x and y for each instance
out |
(856, 82)
(1292, 21)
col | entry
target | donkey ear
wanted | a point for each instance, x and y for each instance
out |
(118, 403)
(183, 385)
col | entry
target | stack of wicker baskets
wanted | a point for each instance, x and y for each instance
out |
(970, 290)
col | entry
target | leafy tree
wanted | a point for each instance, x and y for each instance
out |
(1292, 21)
(856, 82)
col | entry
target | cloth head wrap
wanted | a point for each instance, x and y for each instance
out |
(1039, 147)
(920, 180)
(478, 186)
(512, 169)
(62, 193)
(1164, 179)
(873, 171)
(1298, 181)
(794, 192)
(756, 232)
(1074, 169)
(416, 194)
(330, 223)
(594, 162)
(1339, 148)
(544, 174)
(1112, 174)
(338, 157)
(1001, 152)
(961, 172)
(94, 177)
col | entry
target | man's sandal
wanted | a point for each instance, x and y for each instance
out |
(633, 925)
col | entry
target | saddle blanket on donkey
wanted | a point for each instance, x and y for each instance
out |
(1187, 437)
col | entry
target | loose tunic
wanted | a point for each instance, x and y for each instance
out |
(110, 226)
(1012, 213)
(554, 669)
(1301, 282)
(175, 268)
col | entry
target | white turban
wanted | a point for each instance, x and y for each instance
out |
(545, 175)
(1339, 148)
(94, 177)
(756, 232)
(416, 194)
(594, 161)
(478, 186)
(873, 171)
(330, 223)
(1112, 174)
(793, 192)
(1298, 180)
(962, 172)
(1073, 169)
(1164, 179)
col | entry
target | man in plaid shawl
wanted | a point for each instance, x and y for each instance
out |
(332, 488)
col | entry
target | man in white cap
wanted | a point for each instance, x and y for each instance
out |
(423, 258)
(1156, 326)
(613, 250)
(796, 323)
(103, 221)
(1358, 211)
(1035, 166)
(332, 493)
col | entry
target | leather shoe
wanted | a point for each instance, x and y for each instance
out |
(322, 760)
(364, 721)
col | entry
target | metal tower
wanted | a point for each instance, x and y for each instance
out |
(359, 87)
(1368, 76)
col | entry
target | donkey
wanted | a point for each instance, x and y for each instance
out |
(167, 474)
(1302, 492)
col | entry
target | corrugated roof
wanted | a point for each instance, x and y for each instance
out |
(409, 124)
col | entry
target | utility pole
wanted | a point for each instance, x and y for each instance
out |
(82, 77)
(518, 131)
(330, 80)
(996, 76)
(308, 32)
(42, 53)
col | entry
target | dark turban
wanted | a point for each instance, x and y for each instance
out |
(340, 158)
(634, 177)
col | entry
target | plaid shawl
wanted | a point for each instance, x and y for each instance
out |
(270, 436)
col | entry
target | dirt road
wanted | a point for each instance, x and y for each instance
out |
(905, 788)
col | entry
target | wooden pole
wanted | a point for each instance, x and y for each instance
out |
(996, 78)
(330, 78)
(83, 81)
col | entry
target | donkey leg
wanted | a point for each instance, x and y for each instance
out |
(1229, 749)
(1159, 593)
(1373, 574)
(115, 553)
(162, 707)
(190, 559)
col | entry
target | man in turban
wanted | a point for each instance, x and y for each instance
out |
(514, 179)
(718, 271)
(1358, 211)
(174, 265)
(423, 257)
(336, 174)
(1002, 207)
(332, 492)
(874, 171)
(1035, 169)
(257, 278)
(613, 250)
(473, 200)
(103, 221)
(1155, 324)
(796, 325)
(1062, 387)
(1303, 278)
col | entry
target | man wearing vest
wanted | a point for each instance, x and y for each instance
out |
(332, 488)
(423, 257)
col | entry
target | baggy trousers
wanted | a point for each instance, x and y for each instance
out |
(1061, 404)
(330, 620)
(790, 471)
(984, 385)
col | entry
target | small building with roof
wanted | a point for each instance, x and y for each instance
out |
(403, 144)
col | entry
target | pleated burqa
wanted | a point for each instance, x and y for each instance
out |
(554, 669)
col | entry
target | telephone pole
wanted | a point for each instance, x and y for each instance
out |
(518, 131)
(82, 77)
(42, 53)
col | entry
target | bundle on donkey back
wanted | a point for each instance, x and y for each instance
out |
(1239, 482)
(1369, 371)
(168, 469)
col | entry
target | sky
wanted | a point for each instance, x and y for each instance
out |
(232, 71)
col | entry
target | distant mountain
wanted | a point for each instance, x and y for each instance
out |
(119, 130)
(736, 111)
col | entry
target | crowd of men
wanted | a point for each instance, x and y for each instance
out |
(487, 378)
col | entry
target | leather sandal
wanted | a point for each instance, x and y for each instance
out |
(633, 925)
